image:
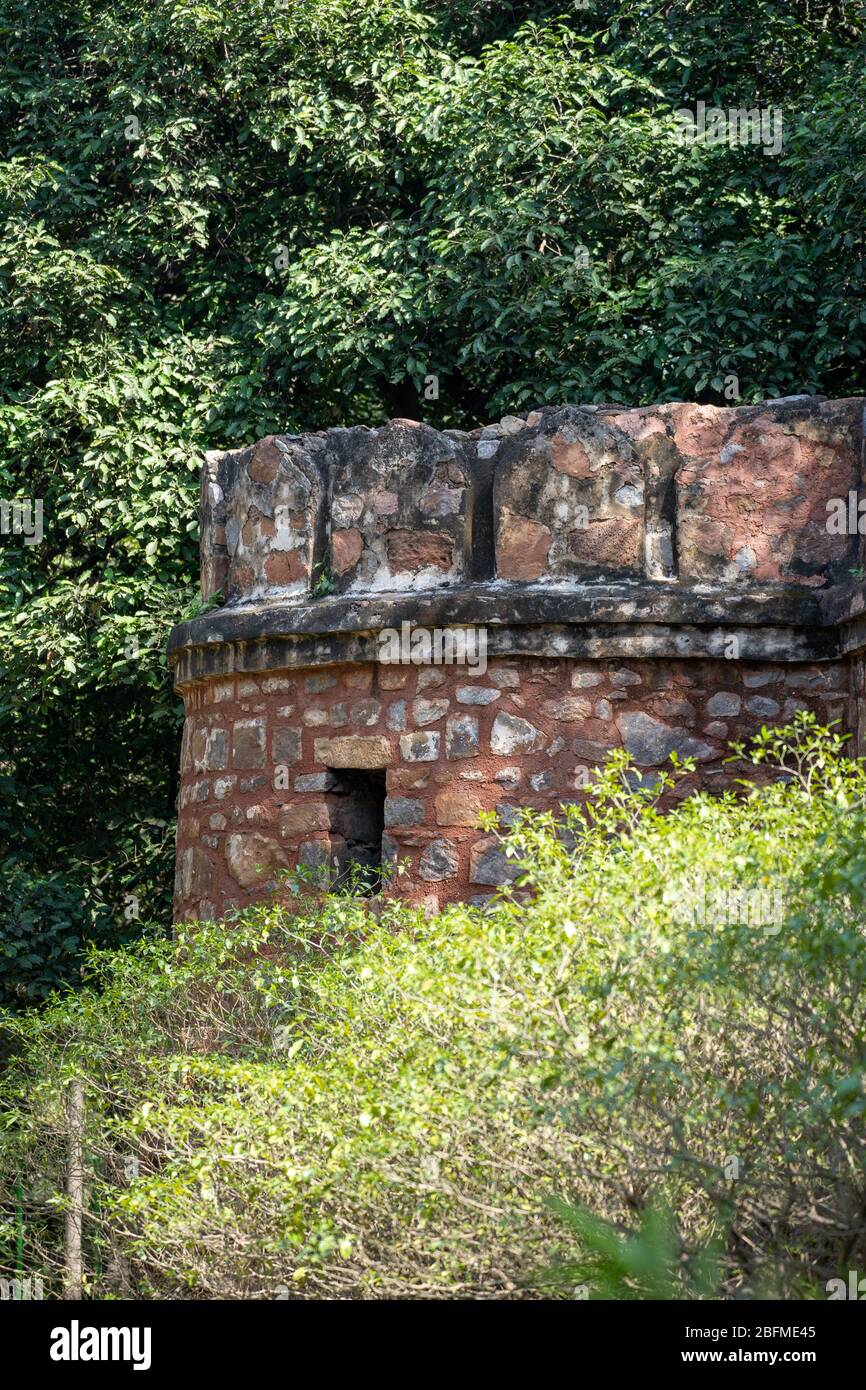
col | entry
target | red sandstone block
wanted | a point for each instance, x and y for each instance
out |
(458, 806)
(354, 750)
(303, 817)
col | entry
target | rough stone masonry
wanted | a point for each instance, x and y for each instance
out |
(663, 579)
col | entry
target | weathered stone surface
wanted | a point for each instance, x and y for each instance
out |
(265, 462)
(441, 502)
(414, 552)
(260, 510)
(350, 750)
(542, 781)
(753, 680)
(346, 549)
(386, 503)
(439, 861)
(625, 677)
(398, 508)
(317, 854)
(194, 747)
(724, 702)
(412, 779)
(420, 747)
(196, 873)
(285, 745)
(591, 749)
(761, 705)
(392, 679)
(314, 782)
(303, 817)
(253, 858)
(458, 806)
(753, 487)
(650, 741)
(319, 683)
(286, 569)
(359, 678)
(429, 711)
(277, 685)
(488, 863)
(461, 736)
(571, 709)
(390, 853)
(403, 810)
(248, 743)
(429, 676)
(366, 712)
(216, 754)
(613, 544)
(345, 510)
(511, 734)
(476, 695)
(523, 546)
(569, 499)
(509, 777)
(396, 719)
(315, 718)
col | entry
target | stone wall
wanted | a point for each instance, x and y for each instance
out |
(662, 579)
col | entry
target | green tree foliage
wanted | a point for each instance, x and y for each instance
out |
(222, 219)
(607, 1086)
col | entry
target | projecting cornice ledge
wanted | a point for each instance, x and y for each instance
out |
(589, 621)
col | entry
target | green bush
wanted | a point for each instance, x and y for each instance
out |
(329, 1105)
(45, 924)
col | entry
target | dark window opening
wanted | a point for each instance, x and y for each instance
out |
(357, 810)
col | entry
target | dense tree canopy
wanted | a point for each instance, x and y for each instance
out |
(224, 219)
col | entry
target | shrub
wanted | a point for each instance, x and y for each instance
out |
(44, 925)
(327, 1105)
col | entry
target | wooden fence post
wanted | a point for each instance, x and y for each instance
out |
(74, 1190)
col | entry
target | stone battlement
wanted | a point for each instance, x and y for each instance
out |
(665, 578)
